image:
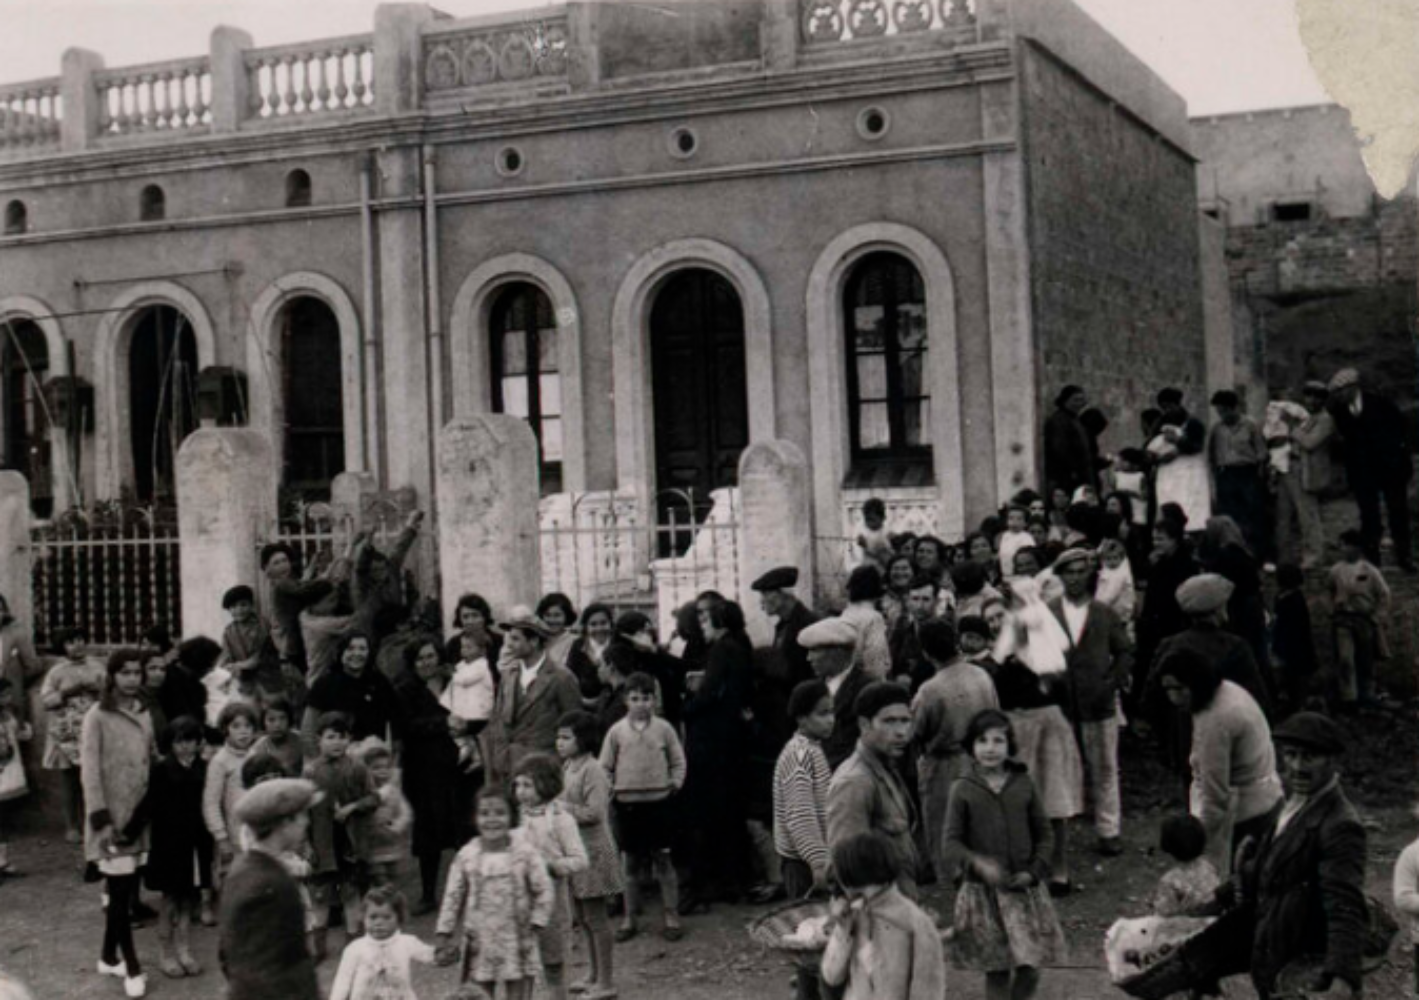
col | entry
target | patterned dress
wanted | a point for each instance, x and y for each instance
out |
(552, 830)
(587, 796)
(65, 719)
(501, 898)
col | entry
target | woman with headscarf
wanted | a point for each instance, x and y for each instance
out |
(1069, 452)
(356, 688)
(1170, 565)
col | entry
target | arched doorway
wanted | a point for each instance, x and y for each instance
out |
(162, 397)
(697, 365)
(24, 365)
(312, 399)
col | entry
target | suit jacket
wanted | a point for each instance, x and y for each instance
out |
(262, 933)
(1099, 663)
(786, 631)
(527, 720)
(1307, 883)
(839, 746)
(1375, 447)
(867, 794)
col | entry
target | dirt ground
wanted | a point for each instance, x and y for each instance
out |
(50, 922)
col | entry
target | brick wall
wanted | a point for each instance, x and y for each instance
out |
(1114, 248)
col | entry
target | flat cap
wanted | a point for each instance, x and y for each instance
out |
(521, 616)
(1343, 378)
(778, 578)
(828, 634)
(1312, 731)
(1204, 594)
(275, 799)
(1072, 555)
(1315, 387)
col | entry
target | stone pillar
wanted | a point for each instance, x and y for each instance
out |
(778, 35)
(775, 523)
(583, 50)
(1219, 337)
(993, 20)
(82, 111)
(226, 504)
(398, 55)
(231, 84)
(487, 499)
(16, 557)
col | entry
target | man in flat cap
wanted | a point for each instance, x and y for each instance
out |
(1203, 598)
(1304, 878)
(262, 940)
(533, 694)
(829, 645)
(791, 616)
(1377, 462)
(1237, 453)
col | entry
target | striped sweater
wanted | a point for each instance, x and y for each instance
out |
(801, 779)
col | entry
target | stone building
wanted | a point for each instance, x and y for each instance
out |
(884, 233)
(1322, 270)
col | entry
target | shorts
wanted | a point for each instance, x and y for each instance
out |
(644, 828)
(373, 873)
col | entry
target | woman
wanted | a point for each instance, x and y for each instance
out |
(1119, 508)
(358, 690)
(473, 619)
(1224, 551)
(636, 630)
(873, 654)
(432, 782)
(116, 756)
(18, 663)
(556, 611)
(979, 550)
(584, 660)
(1170, 565)
(1234, 780)
(900, 572)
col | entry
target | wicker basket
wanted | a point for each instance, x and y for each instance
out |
(1204, 958)
(773, 928)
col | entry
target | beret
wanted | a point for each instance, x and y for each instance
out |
(1204, 593)
(1312, 731)
(827, 634)
(1315, 386)
(1073, 555)
(779, 578)
(1344, 377)
(275, 800)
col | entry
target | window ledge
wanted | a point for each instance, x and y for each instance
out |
(904, 473)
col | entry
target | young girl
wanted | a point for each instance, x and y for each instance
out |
(70, 688)
(237, 723)
(278, 741)
(550, 828)
(12, 767)
(376, 966)
(180, 863)
(498, 887)
(586, 794)
(880, 944)
(1193, 881)
(469, 696)
(381, 836)
(996, 831)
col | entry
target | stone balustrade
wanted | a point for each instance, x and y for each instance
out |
(511, 49)
(828, 21)
(164, 96)
(308, 78)
(30, 113)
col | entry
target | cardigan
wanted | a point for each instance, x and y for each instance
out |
(365, 958)
(116, 753)
(1008, 826)
(801, 780)
(644, 764)
(261, 936)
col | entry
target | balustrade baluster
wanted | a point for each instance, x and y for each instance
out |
(85, 585)
(24, 124)
(341, 90)
(273, 98)
(200, 105)
(307, 94)
(183, 109)
(155, 553)
(359, 89)
(143, 99)
(292, 94)
(5, 117)
(118, 103)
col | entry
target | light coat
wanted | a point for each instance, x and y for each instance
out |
(115, 758)
(892, 953)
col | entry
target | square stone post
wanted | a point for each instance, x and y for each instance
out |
(231, 84)
(16, 556)
(583, 49)
(778, 35)
(226, 506)
(488, 533)
(398, 55)
(775, 524)
(82, 111)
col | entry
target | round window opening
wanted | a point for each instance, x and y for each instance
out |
(683, 142)
(510, 161)
(873, 123)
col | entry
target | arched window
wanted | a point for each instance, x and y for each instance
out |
(17, 218)
(152, 204)
(297, 189)
(889, 402)
(526, 382)
(162, 397)
(24, 362)
(313, 407)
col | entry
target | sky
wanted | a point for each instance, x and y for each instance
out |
(1221, 55)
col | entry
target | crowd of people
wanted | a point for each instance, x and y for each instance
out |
(944, 727)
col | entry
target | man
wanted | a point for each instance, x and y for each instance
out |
(1204, 599)
(262, 939)
(1284, 420)
(533, 694)
(776, 598)
(829, 645)
(1377, 461)
(1069, 449)
(1100, 664)
(1305, 876)
(867, 794)
(909, 664)
(1238, 456)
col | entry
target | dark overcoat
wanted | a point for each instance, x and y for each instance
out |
(180, 852)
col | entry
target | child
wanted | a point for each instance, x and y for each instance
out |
(13, 784)
(1015, 537)
(470, 696)
(1193, 882)
(347, 792)
(381, 836)
(244, 645)
(536, 783)
(1292, 641)
(70, 688)
(237, 724)
(1131, 479)
(180, 861)
(645, 763)
(1005, 924)
(586, 794)
(875, 543)
(256, 770)
(881, 945)
(498, 887)
(1360, 599)
(278, 741)
(376, 967)
(1406, 897)
(1115, 588)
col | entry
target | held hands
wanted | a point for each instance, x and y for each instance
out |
(445, 951)
(1020, 880)
(989, 870)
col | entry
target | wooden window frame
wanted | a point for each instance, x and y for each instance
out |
(502, 306)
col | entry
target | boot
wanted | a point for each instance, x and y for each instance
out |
(189, 964)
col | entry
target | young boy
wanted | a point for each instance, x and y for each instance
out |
(1015, 537)
(1359, 600)
(1293, 644)
(874, 541)
(245, 643)
(278, 741)
(348, 792)
(381, 836)
(645, 763)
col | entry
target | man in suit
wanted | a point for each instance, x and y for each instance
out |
(1377, 462)
(533, 695)
(829, 645)
(776, 598)
(1100, 664)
